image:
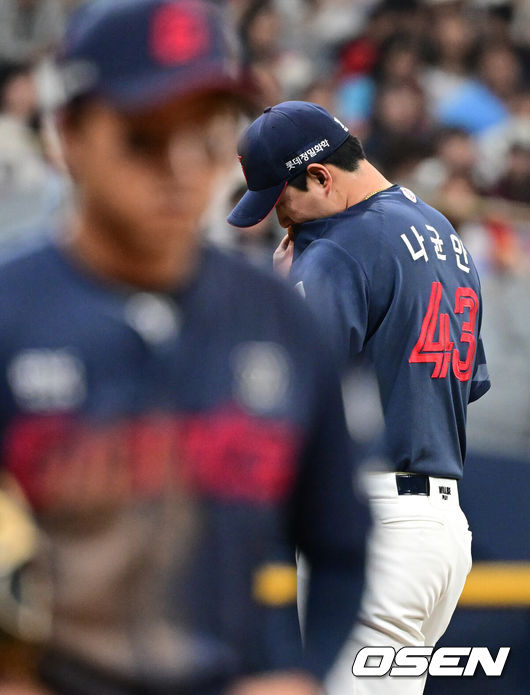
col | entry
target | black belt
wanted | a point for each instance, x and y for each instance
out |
(413, 484)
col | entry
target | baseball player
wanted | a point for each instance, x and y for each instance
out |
(165, 408)
(390, 280)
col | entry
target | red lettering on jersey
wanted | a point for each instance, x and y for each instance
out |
(466, 298)
(427, 349)
(442, 351)
(64, 464)
(238, 456)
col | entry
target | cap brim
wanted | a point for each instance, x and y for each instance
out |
(146, 92)
(151, 93)
(254, 206)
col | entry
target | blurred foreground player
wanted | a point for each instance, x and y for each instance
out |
(390, 280)
(168, 411)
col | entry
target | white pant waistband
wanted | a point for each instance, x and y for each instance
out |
(382, 485)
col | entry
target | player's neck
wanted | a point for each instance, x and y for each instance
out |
(111, 257)
(364, 182)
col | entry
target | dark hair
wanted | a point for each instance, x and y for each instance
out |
(8, 71)
(249, 16)
(73, 111)
(451, 131)
(346, 157)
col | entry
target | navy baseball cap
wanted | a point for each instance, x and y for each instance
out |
(136, 54)
(277, 147)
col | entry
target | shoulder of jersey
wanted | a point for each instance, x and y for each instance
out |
(375, 222)
(392, 204)
(408, 194)
(23, 262)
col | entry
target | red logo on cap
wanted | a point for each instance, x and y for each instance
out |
(178, 34)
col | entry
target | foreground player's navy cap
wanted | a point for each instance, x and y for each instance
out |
(276, 148)
(140, 53)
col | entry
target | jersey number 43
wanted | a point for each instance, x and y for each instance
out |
(442, 351)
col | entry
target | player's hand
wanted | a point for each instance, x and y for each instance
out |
(283, 256)
(295, 683)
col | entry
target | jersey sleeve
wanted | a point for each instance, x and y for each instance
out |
(336, 289)
(480, 382)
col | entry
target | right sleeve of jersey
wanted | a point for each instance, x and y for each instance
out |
(336, 290)
(480, 382)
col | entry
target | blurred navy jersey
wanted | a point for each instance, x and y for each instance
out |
(174, 447)
(390, 279)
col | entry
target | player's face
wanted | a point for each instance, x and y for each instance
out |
(295, 206)
(148, 179)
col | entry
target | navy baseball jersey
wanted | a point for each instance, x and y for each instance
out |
(390, 279)
(174, 447)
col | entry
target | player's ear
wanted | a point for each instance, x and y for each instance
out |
(66, 130)
(70, 121)
(319, 176)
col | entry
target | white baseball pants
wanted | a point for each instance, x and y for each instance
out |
(419, 555)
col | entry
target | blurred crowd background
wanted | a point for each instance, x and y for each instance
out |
(439, 93)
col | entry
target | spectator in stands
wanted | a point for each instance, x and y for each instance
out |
(260, 28)
(515, 184)
(400, 130)
(18, 94)
(495, 143)
(456, 97)
(401, 60)
(455, 154)
(30, 190)
(452, 40)
(20, 158)
(499, 69)
(272, 54)
(29, 28)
